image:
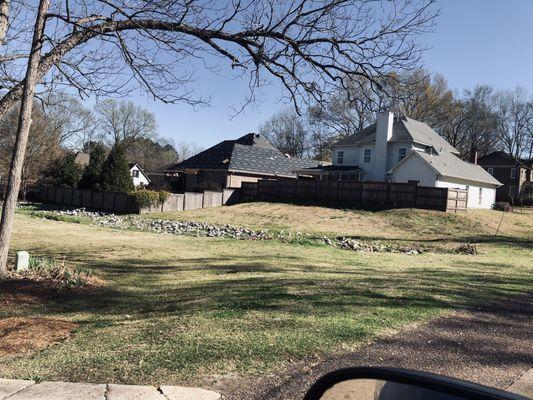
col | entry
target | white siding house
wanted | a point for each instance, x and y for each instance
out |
(431, 168)
(404, 150)
(138, 176)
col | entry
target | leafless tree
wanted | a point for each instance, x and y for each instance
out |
(120, 121)
(43, 145)
(515, 117)
(108, 47)
(65, 114)
(470, 121)
(21, 138)
(347, 111)
(186, 150)
(286, 131)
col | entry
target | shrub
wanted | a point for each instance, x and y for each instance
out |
(503, 206)
(163, 196)
(148, 198)
(58, 273)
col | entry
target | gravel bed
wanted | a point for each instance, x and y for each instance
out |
(204, 229)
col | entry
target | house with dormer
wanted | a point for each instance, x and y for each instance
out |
(401, 149)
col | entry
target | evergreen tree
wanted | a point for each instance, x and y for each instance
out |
(65, 171)
(116, 172)
(92, 176)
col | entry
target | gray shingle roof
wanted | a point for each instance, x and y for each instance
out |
(403, 129)
(449, 165)
(250, 153)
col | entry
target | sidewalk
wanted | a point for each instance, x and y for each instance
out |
(12, 389)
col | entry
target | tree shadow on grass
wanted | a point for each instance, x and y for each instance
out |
(490, 346)
(248, 283)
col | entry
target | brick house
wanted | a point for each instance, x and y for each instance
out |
(229, 163)
(516, 175)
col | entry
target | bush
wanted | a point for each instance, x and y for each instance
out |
(58, 273)
(149, 198)
(503, 206)
(163, 196)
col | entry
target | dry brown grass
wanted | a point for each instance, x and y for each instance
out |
(408, 224)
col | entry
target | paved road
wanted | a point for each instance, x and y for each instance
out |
(492, 346)
(28, 390)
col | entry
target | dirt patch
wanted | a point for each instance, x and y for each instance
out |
(22, 335)
(16, 292)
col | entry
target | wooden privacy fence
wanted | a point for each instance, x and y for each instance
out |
(119, 202)
(356, 193)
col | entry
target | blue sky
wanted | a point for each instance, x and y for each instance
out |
(475, 42)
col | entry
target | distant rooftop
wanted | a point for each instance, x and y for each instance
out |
(250, 153)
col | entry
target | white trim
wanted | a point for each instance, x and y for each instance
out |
(410, 154)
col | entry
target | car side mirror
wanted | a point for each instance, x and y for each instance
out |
(367, 383)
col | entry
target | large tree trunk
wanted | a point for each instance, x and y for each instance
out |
(23, 130)
(4, 19)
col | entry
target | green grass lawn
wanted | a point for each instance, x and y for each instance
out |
(179, 309)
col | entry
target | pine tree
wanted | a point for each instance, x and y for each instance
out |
(116, 172)
(65, 171)
(92, 176)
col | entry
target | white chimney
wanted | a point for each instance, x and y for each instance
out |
(384, 124)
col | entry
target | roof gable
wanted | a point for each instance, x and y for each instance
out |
(449, 165)
(138, 167)
(403, 130)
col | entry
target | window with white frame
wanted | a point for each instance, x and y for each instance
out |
(480, 196)
(513, 173)
(490, 170)
(366, 155)
(340, 157)
(135, 173)
(402, 152)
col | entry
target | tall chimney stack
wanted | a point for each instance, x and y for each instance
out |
(473, 156)
(384, 123)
